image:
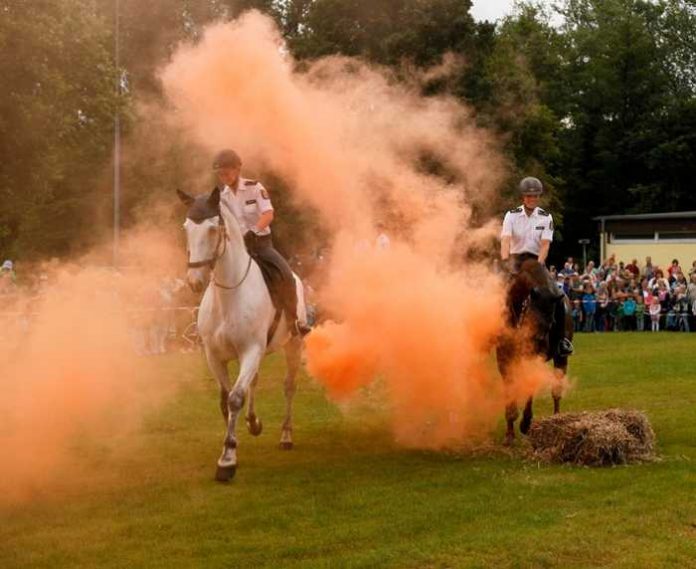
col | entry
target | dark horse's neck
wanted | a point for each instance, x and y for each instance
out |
(533, 275)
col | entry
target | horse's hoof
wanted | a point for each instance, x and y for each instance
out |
(525, 424)
(286, 445)
(509, 439)
(254, 426)
(225, 473)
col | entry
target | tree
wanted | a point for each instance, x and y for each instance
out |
(386, 31)
(56, 122)
(618, 147)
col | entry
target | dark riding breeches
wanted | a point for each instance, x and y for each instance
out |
(282, 282)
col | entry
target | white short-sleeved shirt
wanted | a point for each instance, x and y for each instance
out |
(248, 203)
(527, 231)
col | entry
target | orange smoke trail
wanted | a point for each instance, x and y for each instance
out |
(70, 372)
(350, 139)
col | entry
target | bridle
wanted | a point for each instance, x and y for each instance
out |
(222, 239)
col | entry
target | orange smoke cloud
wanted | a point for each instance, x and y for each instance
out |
(351, 140)
(70, 371)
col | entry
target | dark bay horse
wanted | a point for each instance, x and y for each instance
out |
(539, 318)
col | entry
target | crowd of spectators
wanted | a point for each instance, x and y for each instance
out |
(618, 297)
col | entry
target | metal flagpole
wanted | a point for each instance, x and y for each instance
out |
(117, 138)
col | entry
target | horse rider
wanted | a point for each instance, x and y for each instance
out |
(527, 234)
(251, 205)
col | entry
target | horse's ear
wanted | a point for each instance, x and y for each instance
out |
(214, 198)
(184, 197)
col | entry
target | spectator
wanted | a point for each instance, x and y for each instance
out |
(568, 267)
(576, 289)
(629, 313)
(632, 267)
(664, 297)
(640, 314)
(691, 289)
(602, 307)
(382, 242)
(657, 278)
(678, 280)
(8, 278)
(577, 316)
(618, 316)
(673, 268)
(589, 305)
(648, 270)
(655, 314)
(682, 308)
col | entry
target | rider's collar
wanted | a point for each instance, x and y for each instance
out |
(527, 212)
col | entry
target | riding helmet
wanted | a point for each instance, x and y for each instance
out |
(531, 187)
(227, 158)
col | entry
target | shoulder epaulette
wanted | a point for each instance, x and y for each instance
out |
(542, 212)
(516, 210)
(250, 182)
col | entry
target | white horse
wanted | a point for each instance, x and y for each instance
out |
(236, 318)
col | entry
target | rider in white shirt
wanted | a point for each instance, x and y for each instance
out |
(527, 234)
(251, 205)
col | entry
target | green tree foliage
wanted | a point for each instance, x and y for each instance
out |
(386, 31)
(602, 108)
(56, 116)
(627, 145)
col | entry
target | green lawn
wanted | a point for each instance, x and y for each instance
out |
(348, 497)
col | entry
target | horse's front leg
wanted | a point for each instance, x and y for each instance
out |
(505, 353)
(248, 368)
(560, 365)
(254, 424)
(293, 351)
(219, 370)
(511, 414)
(527, 416)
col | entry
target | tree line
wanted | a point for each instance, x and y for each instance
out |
(602, 106)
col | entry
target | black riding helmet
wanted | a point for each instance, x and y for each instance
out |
(227, 158)
(531, 187)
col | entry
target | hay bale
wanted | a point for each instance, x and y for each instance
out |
(600, 438)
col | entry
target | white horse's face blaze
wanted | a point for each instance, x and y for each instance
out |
(201, 241)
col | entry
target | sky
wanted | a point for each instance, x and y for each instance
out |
(493, 9)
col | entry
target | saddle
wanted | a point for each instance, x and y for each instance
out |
(274, 270)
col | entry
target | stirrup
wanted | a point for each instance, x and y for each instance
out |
(565, 347)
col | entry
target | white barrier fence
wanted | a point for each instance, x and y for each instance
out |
(154, 331)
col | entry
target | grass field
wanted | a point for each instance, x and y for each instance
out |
(348, 497)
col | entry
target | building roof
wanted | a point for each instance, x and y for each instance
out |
(670, 215)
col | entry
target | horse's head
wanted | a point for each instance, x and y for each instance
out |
(205, 235)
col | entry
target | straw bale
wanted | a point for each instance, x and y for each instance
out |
(599, 438)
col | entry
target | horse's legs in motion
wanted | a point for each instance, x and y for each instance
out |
(248, 368)
(254, 424)
(293, 351)
(561, 367)
(527, 415)
(505, 353)
(219, 370)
